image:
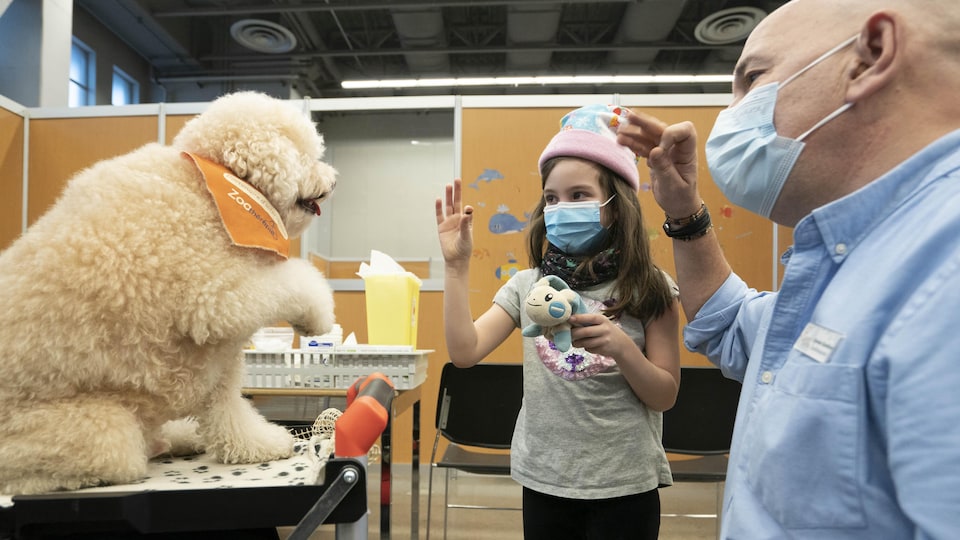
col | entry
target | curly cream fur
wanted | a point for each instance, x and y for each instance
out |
(126, 306)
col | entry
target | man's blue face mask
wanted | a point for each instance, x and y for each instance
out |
(575, 227)
(748, 160)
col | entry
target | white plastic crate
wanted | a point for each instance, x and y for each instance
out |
(334, 368)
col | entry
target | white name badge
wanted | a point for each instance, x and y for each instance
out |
(818, 342)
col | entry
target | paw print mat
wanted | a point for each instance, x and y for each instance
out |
(305, 467)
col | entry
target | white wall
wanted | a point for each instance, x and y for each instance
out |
(56, 45)
(387, 185)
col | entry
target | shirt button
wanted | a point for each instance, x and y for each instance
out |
(766, 377)
(840, 248)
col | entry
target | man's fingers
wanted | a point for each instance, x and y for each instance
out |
(641, 132)
(679, 142)
(651, 125)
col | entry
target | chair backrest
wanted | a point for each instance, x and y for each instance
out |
(701, 421)
(478, 406)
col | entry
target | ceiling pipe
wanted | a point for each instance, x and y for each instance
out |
(644, 22)
(366, 6)
(420, 29)
(489, 49)
(227, 78)
(531, 24)
(309, 33)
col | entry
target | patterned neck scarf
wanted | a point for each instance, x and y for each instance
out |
(605, 265)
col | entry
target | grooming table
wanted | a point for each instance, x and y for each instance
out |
(323, 482)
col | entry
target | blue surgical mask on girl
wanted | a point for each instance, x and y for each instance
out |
(575, 227)
(748, 160)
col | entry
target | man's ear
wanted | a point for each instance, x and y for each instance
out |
(878, 55)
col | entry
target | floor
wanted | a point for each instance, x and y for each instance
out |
(688, 508)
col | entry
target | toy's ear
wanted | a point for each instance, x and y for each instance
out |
(556, 283)
(575, 301)
(545, 280)
(578, 305)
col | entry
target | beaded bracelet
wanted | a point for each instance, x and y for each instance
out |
(689, 228)
(680, 222)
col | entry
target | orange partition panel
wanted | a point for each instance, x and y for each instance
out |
(61, 147)
(11, 177)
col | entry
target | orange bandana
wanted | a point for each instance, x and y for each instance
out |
(250, 219)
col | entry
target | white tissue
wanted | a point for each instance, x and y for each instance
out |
(383, 264)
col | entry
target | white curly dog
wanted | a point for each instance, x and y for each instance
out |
(127, 305)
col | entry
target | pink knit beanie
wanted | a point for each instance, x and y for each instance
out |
(590, 133)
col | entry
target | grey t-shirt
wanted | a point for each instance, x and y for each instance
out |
(581, 435)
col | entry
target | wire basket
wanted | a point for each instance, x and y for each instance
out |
(333, 368)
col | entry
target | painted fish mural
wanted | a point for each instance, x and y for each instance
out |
(506, 271)
(504, 223)
(488, 175)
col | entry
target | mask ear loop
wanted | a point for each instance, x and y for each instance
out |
(819, 59)
(826, 119)
(843, 108)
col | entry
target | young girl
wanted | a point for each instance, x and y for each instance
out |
(586, 448)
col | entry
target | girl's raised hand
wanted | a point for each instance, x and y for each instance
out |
(454, 225)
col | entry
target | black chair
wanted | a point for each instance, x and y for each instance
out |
(476, 412)
(701, 424)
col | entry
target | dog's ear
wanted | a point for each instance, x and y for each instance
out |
(328, 176)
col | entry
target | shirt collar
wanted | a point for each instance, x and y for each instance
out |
(843, 223)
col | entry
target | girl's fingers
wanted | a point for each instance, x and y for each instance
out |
(457, 201)
(465, 224)
(439, 210)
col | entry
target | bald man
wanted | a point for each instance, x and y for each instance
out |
(845, 125)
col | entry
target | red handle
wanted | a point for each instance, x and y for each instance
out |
(367, 414)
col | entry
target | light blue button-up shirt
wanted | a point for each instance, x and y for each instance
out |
(849, 417)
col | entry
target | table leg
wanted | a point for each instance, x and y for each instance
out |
(415, 475)
(407, 399)
(385, 480)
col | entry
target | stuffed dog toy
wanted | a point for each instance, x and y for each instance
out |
(127, 305)
(549, 304)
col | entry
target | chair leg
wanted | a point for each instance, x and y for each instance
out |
(446, 500)
(429, 497)
(719, 506)
(433, 459)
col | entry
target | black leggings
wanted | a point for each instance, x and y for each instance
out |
(634, 517)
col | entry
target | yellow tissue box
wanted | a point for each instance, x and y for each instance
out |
(393, 308)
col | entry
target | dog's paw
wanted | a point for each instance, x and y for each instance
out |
(321, 323)
(317, 317)
(178, 438)
(268, 442)
(312, 312)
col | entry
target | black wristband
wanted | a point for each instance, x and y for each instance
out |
(689, 230)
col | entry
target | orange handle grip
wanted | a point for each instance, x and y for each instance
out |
(366, 416)
(354, 390)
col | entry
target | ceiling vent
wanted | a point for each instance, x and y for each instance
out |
(263, 36)
(728, 25)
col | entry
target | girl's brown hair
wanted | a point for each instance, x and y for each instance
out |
(640, 288)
